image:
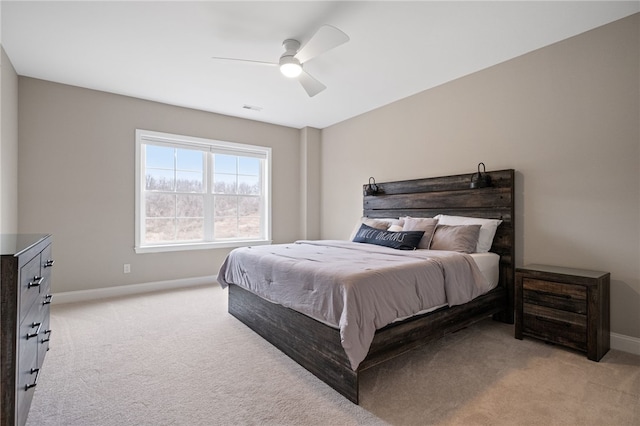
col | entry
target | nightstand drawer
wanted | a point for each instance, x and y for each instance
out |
(567, 297)
(566, 328)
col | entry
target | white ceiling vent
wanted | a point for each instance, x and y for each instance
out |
(252, 107)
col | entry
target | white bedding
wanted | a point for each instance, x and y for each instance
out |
(488, 263)
(355, 287)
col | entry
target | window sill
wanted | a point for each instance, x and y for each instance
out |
(199, 246)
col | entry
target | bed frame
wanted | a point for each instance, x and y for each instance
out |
(317, 347)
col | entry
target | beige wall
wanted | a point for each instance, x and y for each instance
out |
(8, 146)
(565, 117)
(76, 180)
(310, 181)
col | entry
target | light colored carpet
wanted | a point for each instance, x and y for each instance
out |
(178, 358)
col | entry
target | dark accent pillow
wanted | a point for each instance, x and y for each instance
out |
(462, 238)
(404, 240)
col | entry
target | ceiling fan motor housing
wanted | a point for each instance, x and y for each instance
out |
(291, 46)
(289, 65)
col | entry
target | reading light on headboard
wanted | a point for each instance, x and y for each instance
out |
(371, 188)
(479, 180)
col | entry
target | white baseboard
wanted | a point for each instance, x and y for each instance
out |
(625, 343)
(126, 290)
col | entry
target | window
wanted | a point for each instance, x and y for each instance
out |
(194, 193)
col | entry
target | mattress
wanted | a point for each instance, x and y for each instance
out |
(488, 263)
(489, 266)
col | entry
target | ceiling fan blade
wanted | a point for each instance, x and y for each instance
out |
(310, 84)
(326, 38)
(217, 58)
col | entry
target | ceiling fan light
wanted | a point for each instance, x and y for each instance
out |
(290, 67)
(290, 70)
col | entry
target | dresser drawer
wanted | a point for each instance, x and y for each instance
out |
(566, 297)
(45, 333)
(30, 282)
(30, 331)
(45, 297)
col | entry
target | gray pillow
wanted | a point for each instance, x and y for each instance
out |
(428, 225)
(461, 238)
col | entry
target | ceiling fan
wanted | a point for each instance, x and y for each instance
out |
(292, 60)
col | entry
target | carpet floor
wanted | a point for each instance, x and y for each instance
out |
(178, 358)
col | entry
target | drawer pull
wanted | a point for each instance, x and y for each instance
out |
(48, 299)
(34, 324)
(49, 263)
(48, 337)
(35, 382)
(36, 281)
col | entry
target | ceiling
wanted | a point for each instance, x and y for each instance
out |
(161, 50)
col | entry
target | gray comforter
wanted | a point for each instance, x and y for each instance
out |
(355, 287)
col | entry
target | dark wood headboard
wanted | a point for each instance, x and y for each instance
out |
(452, 195)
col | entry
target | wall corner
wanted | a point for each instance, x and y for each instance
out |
(310, 150)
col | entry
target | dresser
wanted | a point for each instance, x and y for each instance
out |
(565, 306)
(25, 279)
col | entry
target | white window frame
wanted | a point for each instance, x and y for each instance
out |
(178, 141)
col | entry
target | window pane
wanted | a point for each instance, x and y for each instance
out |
(160, 230)
(226, 227)
(189, 159)
(248, 206)
(237, 217)
(189, 181)
(190, 206)
(249, 166)
(224, 184)
(249, 185)
(249, 227)
(160, 205)
(190, 229)
(225, 206)
(160, 157)
(225, 211)
(189, 170)
(159, 180)
(225, 164)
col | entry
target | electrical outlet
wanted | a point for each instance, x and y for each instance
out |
(127, 268)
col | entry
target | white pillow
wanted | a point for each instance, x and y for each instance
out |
(487, 229)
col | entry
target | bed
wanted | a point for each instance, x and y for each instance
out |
(318, 344)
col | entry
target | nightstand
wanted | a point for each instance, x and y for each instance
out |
(566, 306)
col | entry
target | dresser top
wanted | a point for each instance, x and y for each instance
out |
(563, 270)
(14, 244)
